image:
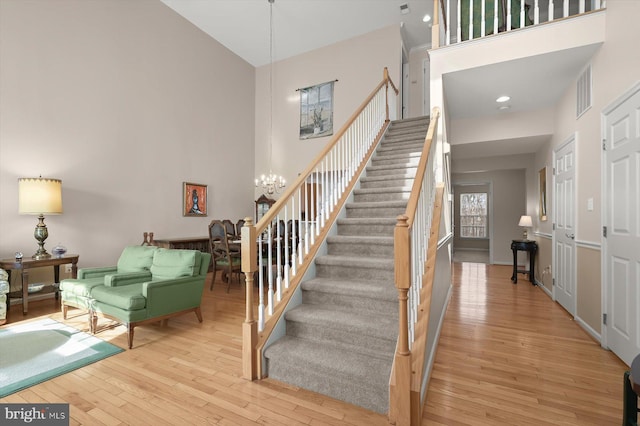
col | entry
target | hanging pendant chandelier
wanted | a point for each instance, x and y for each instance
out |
(271, 183)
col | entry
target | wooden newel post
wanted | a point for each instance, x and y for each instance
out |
(385, 76)
(402, 266)
(250, 326)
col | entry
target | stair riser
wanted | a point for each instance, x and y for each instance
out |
(401, 162)
(369, 397)
(400, 152)
(354, 249)
(349, 303)
(384, 196)
(375, 212)
(373, 230)
(354, 272)
(322, 333)
(392, 171)
(391, 183)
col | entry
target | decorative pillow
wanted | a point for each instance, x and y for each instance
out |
(136, 258)
(171, 263)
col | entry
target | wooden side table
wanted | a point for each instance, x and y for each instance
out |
(524, 245)
(27, 263)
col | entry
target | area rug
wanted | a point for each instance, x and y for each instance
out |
(37, 351)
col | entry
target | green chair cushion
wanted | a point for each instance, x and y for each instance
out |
(81, 287)
(136, 258)
(169, 264)
(128, 297)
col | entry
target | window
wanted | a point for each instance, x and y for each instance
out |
(473, 215)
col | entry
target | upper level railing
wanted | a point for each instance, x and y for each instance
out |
(462, 20)
(278, 249)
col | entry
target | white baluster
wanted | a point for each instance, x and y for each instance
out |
(482, 23)
(459, 29)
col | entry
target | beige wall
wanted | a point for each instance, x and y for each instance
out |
(123, 101)
(614, 70)
(358, 66)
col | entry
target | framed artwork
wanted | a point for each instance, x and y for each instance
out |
(316, 111)
(542, 183)
(194, 199)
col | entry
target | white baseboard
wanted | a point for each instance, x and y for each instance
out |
(589, 329)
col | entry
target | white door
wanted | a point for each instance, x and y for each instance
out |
(564, 290)
(621, 275)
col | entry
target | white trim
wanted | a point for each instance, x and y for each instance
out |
(543, 235)
(589, 329)
(588, 244)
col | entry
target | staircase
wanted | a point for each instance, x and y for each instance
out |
(341, 340)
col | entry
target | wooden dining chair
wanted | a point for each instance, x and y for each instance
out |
(239, 225)
(222, 257)
(230, 227)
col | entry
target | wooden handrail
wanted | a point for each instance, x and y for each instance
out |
(302, 177)
(412, 204)
(405, 402)
(341, 161)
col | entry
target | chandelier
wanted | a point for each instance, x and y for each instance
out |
(271, 183)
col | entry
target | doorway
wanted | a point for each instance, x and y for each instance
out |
(621, 257)
(564, 247)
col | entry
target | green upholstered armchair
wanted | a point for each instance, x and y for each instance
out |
(132, 266)
(174, 288)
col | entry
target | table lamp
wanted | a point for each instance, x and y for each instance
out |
(525, 222)
(39, 196)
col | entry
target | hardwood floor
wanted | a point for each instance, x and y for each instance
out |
(507, 355)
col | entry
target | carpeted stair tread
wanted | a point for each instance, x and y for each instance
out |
(382, 190)
(331, 370)
(380, 326)
(370, 221)
(354, 261)
(380, 290)
(340, 340)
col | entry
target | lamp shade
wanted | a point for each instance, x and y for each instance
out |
(39, 195)
(525, 221)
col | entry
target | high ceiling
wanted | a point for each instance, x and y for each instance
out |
(300, 26)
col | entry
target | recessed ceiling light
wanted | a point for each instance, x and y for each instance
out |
(503, 99)
(426, 18)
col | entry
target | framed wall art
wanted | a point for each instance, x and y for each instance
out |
(316, 111)
(194, 199)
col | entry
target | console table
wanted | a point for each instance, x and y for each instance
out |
(28, 263)
(531, 247)
(189, 243)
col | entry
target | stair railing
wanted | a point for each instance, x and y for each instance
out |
(495, 16)
(277, 251)
(415, 247)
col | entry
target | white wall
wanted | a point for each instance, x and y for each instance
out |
(358, 66)
(123, 101)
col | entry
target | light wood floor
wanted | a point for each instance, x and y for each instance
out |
(508, 355)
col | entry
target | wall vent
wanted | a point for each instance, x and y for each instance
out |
(583, 92)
